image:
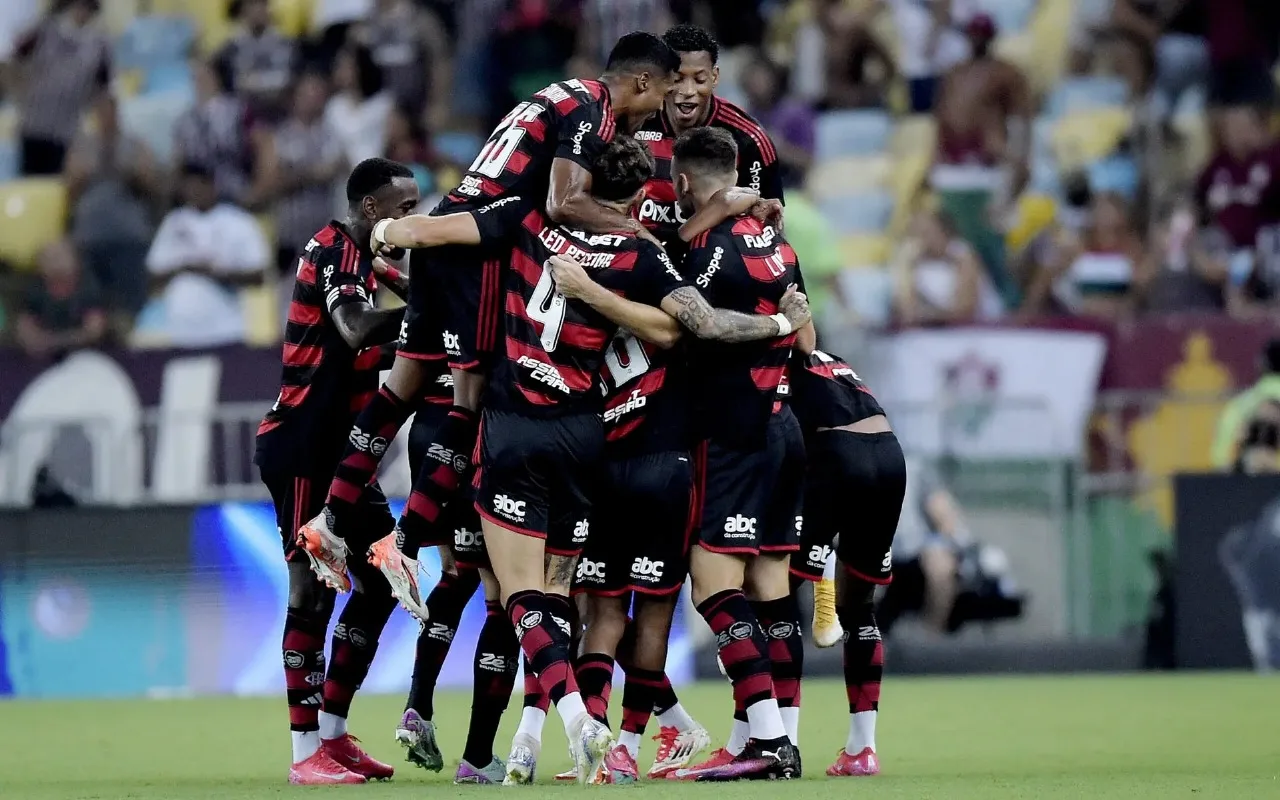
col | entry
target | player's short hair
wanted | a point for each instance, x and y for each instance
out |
(621, 170)
(371, 175)
(639, 51)
(707, 151)
(685, 38)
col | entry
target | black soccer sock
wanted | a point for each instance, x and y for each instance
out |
(370, 437)
(494, 678)
(544, 642)
(355, 641)
(595, 680)
(566, 609)
(664, 696)
(780, 620)
(863, 656)
(639, 694)
(445, 605)
(444, 467)
(743, 649)
(303, 649)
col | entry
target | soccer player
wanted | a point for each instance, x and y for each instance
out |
(331, 362)
(542, 436)
(543, 148)
(854, 462)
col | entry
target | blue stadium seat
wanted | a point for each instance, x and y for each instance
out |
(1117, 174)
(8, 159)
(864, 212)
(1085, 94)
(151, 118)
(460, 148)
(173, 77)
(154, 40)
(852, 133)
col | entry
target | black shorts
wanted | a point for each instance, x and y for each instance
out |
(639, 528)
(300, 498)
(459, 516)
(536, 475)
(751, 499)
(455, 307)
(855, 485)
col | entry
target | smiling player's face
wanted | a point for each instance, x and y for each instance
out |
(395, 200)
(694, 87)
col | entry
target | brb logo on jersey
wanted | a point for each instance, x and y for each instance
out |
(739, 527)
(590, 571)
(646, 569)
(513, 510)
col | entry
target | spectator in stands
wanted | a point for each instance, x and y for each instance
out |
(1174, 31)
(299, 166)
(358, 110)
(1243, 39)
(214, 135)
(1239, 189)
(983, 114)
(408, 43)
(1234, 423)
(1259, 451)
(939, 280)
(16, 19)
(1103, 272)
(63, 66)
(204, 251)
(258, 62)
(606, 21)
(790, 121)
(472, 105)
(334, 19)
(839, 62)
(112, 182)
(530, 49)
(409, 144)
(64, 311)
(1192, 264)
(931, 41)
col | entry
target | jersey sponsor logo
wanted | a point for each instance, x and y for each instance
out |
(739, 527)
(668, 266)
(528, 622)
(513, 510)
(583, 129)
(887, 561)
(563, 625)
(452, 345)
(471, 186)
(704, 280)
(459, 461)
(354, 635)
(663, 213)
(293, 659)
(543, 372)
(869, 633)
(581, 530)
(468, 539)
(576, 85)
(557, 242)
(590, 570)
(738, 631)
(493, 662)
(756, 169)
(500, 203)
(440, 632)
(376, 445)
(553, 93)
(763, 241)
(799, 523)
(819, 554)
(446, 380)
(781, 630)
(649, 136)
(634, 401)
(647, 569)
(404, 333)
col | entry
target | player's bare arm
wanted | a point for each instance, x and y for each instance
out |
(693, 311)
(390, 277)
(362, 326)
(569, 203)
(728, 203)
(649, 324)
(807, 339)
(419, 230)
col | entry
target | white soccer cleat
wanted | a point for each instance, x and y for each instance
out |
(827, 631)
(522, 763)
(327, 552)
(676, 748)
(401, 572)
(589, 744)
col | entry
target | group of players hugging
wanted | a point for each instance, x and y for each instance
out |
(614, 380)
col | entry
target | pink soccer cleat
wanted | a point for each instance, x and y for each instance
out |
(619, 767)
(865, 764)
(319, 769)
(719, 758)
(346, 751)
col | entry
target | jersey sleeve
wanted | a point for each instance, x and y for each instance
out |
(340, 282)
(501, 218)
(758, 166)
(655, 276)
(705, 265)
(579, 137)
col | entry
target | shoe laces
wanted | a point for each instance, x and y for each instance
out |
(666, 740)
(824, 604)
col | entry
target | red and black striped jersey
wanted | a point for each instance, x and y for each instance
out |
(570, 119)
(758, 166)
(746, 266)
(554, 347)
(827, 393)
(324, 383)
(646, 406)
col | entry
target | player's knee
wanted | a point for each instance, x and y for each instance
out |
(767, 577)
(467, 389)
(492, 590)
(307, 596)
(447, 562)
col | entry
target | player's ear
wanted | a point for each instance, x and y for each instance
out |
(643, 80)
(715, 77)
(636, 200)
(369, 207)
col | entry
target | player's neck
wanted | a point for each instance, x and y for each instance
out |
(360, 231)
(704, 192)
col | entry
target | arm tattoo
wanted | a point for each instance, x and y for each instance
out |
(719, 324)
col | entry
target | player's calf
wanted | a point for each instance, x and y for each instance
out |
(863, 670)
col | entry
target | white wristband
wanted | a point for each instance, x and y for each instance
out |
(380, 231)
(784, 324)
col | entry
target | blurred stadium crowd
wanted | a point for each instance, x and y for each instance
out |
(947, 161)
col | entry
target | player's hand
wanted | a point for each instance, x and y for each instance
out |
(571, 279)
(768, 212)
(738, 200)
(641, 232)
(794, 305)
(384, 270)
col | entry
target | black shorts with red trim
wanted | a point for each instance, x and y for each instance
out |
(639, 527)
(537, 476)
(458, 519)
(752, 499)
(854, 490)
(455, 307)
(298, 499)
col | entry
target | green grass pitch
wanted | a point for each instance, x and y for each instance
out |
(1142, 736)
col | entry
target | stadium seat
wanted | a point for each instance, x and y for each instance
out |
(8, 121)
(33, 213)
(210, 18)
(9, 159)
(153, 41)
(864, 250)
(1118, 174)
(863, 212)
(117, 14)
(151, 118)
(1080, 139)
(293, 17)
(175, 77)
(852, 133)
(1076, 95)
(908, 174)
(842, 176)
(1032, 214)
(1048, 32)
(914, 134)
(460, 148)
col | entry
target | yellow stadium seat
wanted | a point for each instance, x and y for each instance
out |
(848, 175)
(1089, 135)
(267, 222)
(1033, 213)
(293, 17)
(1197, 141)
(213, 27)
(116, 15)
(261, 315)
(864, 250)
(33, 213)
(1048, 32)
(913, 135)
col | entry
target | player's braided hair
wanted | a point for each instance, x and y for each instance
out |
(622, 169)
(685, 38)
(707, 151)
(371, 175)
(640, 52)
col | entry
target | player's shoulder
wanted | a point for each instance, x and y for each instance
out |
(745, 128)
(565, 96)
(752, 234)
(330, 243)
